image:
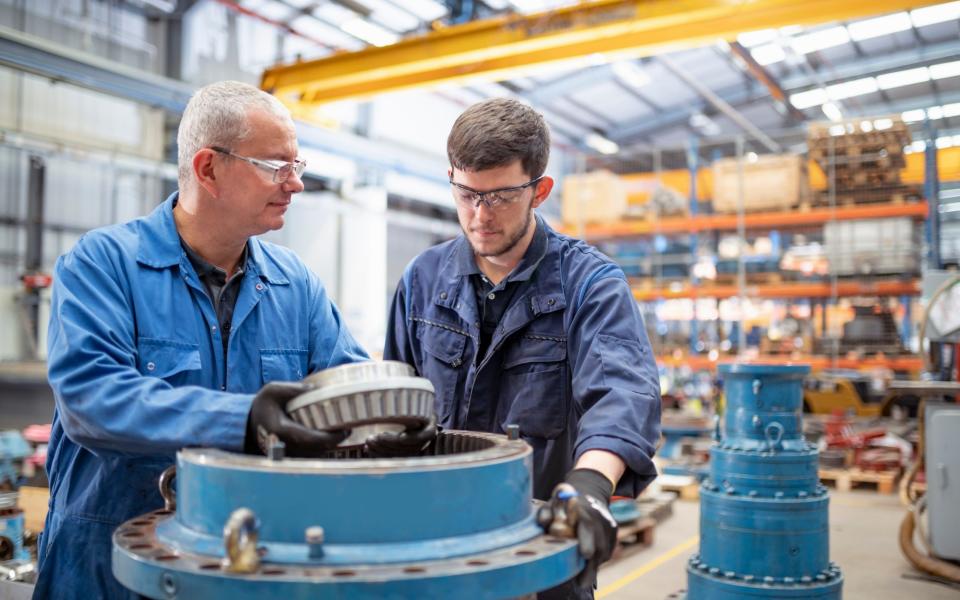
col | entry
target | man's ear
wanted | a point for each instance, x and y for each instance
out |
(204, 172)
(542, 191)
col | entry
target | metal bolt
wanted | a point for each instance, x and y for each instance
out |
(748, 578)
(513, 432)
(788, 579)
(757, 384)
(768, 579)
(169, 584)
(729, 574)
(314, 537)
(806, 579)
(275, 448)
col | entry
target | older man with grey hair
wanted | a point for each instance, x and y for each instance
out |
(167, 331)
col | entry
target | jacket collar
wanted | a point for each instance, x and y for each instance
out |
(160, 247)
(545, 293)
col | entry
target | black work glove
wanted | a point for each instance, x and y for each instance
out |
(268, 415)
(395, 444)
(578, 508)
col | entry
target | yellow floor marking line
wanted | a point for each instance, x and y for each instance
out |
(647, 567)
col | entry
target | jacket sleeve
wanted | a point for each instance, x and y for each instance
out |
(331, 343)
(615, 381)
(397, 345)
(104, 402)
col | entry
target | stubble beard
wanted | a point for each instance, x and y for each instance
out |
(508, 245)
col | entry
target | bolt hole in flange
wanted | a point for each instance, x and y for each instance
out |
(131, 534)
(273, 571)
(478, 563)
(344, 573)
(166, 557)
(141, 547)
(414, 570)
(210, 567)
(556, 540)
(525, 553)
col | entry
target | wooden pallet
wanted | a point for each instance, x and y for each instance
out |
(899, 194)
(846, 479)
(638, 532)
(687, 487)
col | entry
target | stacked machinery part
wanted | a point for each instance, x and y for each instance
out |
(456, 521)
(763, 512)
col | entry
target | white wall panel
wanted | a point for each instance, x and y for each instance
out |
(72, 114)
(421, 120)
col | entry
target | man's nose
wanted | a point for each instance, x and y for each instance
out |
(293, 184)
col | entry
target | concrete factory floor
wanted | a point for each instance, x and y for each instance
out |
(863, 541)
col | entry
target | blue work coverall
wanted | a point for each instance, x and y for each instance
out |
(136, 365)
(570, 362)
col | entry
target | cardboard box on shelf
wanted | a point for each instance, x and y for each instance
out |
(596, 197)
(771, 182)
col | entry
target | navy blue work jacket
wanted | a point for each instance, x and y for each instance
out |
(570, 362)
(136, 364)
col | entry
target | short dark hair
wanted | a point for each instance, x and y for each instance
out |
(496, 132)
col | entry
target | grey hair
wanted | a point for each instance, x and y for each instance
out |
(216, 115)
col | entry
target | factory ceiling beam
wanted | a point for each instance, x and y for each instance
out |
(738, 96)
(31, 54)
(503, 46)
(720, 104)
(769, 81)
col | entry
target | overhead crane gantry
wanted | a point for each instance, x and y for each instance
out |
(500, 47)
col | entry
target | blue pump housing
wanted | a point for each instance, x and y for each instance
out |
(763, 512)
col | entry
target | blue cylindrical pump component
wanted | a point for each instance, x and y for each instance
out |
(763, 513)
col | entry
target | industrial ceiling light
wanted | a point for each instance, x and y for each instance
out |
(880, 26)
(809, 98)
(768, 54)
(427, 10)
(935, 14)
(368, 32)
(820, 40)
(275, 11)
(602, 144)
(849, 89)
(912, 116)
(631, 74)
(832, 111)
(951, 110)
(757, 38)
(901, 78)
(944, 70)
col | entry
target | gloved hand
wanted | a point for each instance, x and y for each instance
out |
(268, 415)
(394, 444)
(578, 508)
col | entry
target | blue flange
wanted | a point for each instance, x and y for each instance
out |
(457, 524)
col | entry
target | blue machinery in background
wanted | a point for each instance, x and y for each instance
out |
(763, 511)
(457, 524)
(13, 449)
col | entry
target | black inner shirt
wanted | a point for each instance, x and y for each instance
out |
(494, 300)
(222, 290)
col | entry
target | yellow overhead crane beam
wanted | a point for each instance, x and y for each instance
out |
(506, 46)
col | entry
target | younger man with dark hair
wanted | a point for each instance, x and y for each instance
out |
(517, 324)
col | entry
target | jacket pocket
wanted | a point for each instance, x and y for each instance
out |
(283, 364)
(534, 387)
(441, 362)
(166, 358)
